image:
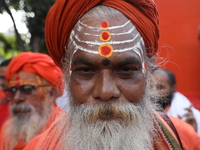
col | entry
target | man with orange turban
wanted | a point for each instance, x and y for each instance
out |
(34, 82)
(106, 50)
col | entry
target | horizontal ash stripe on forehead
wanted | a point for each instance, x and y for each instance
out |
(98, 28)
(132, 38)
(86, 38)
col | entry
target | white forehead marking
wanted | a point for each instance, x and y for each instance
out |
(99, 29)
(123, 33)
(134, 47)
(101, 42)
(135, 40)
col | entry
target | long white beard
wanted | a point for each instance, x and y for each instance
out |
(132, 128)
(25, 128)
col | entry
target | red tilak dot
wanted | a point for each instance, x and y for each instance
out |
(105, 50)
(104, 24)
(17, 84)
(105, 35)
(17, 78)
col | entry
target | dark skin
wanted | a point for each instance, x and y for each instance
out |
(115, 79)
(35, 98)
(105, 62)
(190, 117)
(121, 81)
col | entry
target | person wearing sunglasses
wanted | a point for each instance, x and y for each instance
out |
(34, 83)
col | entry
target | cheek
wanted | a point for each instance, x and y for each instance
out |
(133, 91)
(81, 90)
(36, 100)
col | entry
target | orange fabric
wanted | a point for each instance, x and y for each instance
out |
(4, 111)
(37, 63)
(4, 108)
(1, 93)
(189, 138)
(64, 14)
(50, 139)
(56, 111)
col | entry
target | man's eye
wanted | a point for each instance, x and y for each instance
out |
(125, 69)
(85, 72)
(160, 87)
(126, 72)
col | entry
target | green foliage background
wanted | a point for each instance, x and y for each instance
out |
(34, 17)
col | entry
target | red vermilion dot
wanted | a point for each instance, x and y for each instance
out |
(105, 35)
(17, 84)
(17, 78)
(104, 24)
(105, 50)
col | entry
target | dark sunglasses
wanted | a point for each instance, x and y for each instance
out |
(24, 89)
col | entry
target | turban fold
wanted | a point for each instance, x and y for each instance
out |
(64, 14)
(36, 63)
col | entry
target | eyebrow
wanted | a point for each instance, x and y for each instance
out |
(81, 61)
(126, 61)
(129, 61)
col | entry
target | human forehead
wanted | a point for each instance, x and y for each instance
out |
(25, 78)
(106, 36)
(125, 58)
(161, 77)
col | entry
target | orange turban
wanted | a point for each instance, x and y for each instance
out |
(36, 63)
(64, 14)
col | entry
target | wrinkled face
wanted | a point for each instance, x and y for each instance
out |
(27, 93)
(108, 63)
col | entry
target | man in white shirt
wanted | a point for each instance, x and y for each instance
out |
(174, 103)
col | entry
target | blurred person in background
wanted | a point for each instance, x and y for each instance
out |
(4, 112)
(34, 82)
(173, 102)
(163, 86)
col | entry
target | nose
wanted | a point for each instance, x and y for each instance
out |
(106, 87)
(18, 97)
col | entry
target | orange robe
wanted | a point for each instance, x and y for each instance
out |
(56, 111)
(4, 106)
(50, 139)
(189, 138)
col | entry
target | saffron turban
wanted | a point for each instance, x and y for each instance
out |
(64, 14)
(36, 63)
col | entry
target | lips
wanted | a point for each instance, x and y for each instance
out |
(21, 111)
(107, 114)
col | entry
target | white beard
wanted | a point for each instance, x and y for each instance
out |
(25, 128)
(133, 128)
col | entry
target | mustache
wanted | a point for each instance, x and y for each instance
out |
(21, 108)
(124, 112)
